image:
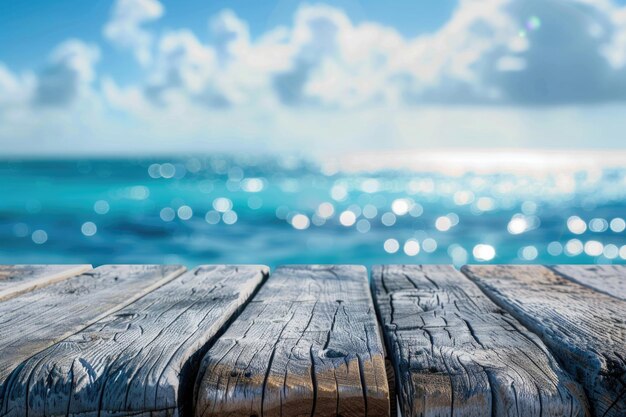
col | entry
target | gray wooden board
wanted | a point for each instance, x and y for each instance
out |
(457, 353)
(307, 344)
(585, 329)
(18, 279)
(608, 279)
(137, 360)
(36, 320)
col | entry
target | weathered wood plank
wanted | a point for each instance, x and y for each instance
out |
(608, 279)
(18, 279)
(456, 353)
(585, 329)
(36, 320)
(141, 359)
(307, 344)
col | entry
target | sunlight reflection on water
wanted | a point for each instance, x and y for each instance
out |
(245, 209)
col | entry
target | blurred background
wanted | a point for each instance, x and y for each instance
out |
(449, 131)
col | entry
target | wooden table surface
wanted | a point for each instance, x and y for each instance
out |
(323, 340)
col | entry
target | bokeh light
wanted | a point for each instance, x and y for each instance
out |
(200, 210)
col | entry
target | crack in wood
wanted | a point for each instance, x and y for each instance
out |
(456, 352)
(311, 346)
(572, 319)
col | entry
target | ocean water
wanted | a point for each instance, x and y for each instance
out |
(277, 210)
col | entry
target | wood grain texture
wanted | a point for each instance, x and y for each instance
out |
(608, 279)
(142, 359)
(456, 353)
(586, 330)
(307, 344)
(18, 279)
(36, 320)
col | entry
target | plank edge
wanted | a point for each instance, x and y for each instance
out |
(44, 281)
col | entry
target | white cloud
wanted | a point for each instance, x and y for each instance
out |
(489, 52)
(497, 73)
(15, 89)
(125, 30)
(182, 64)
(231, 35)
(68, 74)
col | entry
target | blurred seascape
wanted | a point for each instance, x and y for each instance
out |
(365, 209)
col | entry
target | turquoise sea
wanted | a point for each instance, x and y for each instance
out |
(276, 210)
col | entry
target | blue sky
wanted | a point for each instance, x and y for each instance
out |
(144, 76)
(29, 30)
(40, 24)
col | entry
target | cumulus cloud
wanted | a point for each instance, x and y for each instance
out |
(229, 70)
(15, 89)
(572, 54)
(125, 28)
(493, 67)
(69, 72)
(490, 52)
(231, 35)
(183, 64)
